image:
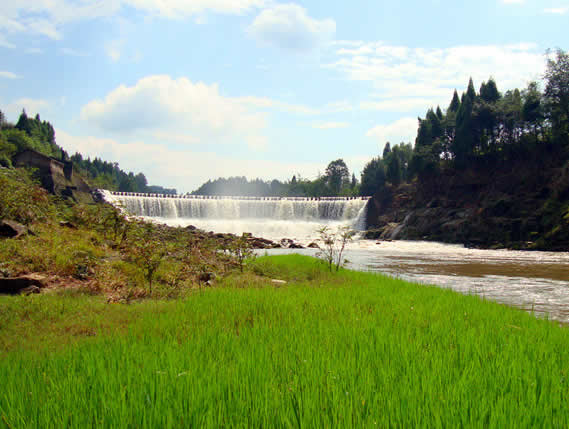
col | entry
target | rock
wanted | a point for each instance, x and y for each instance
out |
(191, 228)
(278, 282)
(23, 284)
(67, 224)
(287, 243)
(207, 278)
(11, 229)
(261, 243)
(313, 245)
(29, 290)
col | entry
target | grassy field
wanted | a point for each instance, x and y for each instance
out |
(344, 350)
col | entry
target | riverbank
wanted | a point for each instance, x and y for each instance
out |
(349, 349)
(522, 206)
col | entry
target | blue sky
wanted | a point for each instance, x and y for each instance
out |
(187, 90)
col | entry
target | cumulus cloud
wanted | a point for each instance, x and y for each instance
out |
(31, 105)
(182, 169)
(47, 17)
(402, 130)
(288, 26)
(406, 78)
(176, 106)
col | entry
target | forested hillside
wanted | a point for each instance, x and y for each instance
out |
(38, 135)
(492, 170)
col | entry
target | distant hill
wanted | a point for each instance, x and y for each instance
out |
(37, 135)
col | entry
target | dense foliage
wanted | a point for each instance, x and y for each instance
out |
(481, 130)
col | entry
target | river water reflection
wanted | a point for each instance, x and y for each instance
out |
(537, 281)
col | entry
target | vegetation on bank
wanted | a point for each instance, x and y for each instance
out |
(342, 349)
(97, 248)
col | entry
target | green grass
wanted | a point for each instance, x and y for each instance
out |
(343, 350)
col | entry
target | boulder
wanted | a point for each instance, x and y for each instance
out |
(11, 229)
(27, 284)
(313, 245)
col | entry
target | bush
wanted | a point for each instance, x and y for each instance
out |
(22, 199)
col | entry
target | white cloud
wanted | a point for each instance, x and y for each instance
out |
(34, 51)
(31, 105)
(288, 26)
(557, 10)
(177, 106)
(183, 8)
(406, 78)
(182, 169)
(402, 130)
(8, 75)
(48, 17)
(330, 125)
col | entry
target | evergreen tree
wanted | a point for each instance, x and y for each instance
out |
(471, 92)
(557, 93)
(386, 149)
(464, 141)
(489, 91)
(373, 177)
(440, 115)
(454, 104)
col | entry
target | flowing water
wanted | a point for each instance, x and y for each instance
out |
(533, 281)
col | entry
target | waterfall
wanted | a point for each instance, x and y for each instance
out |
(265, 216)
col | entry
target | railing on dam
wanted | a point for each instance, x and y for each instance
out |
(218, 197)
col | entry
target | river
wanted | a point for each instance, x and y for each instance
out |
(532, 281)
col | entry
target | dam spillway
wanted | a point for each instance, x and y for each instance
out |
(234, 208)
(270, 217)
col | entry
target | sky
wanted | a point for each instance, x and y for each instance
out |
(190, 90)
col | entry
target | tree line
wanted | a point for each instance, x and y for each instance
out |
(481, 130)
(336, 181)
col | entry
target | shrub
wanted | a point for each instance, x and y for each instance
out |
(22, 199)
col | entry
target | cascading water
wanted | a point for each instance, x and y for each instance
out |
(273, 218)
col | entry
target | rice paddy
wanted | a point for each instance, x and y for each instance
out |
(325, 350)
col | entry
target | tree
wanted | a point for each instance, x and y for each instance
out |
(386, 149)
(141, 182)
(464, 139)
(393, 163)
(373, 177)
(557, 92)
(333, 245)
(470, 91)
(454, 104)
(489, 91)
(337, 174)
(354, 181)
(532, 109)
